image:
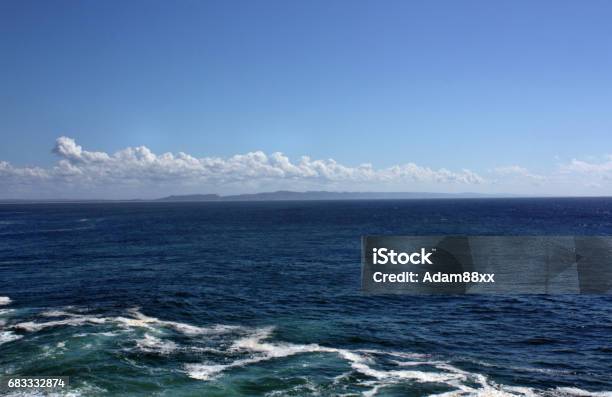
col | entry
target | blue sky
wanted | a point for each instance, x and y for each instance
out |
(484, 86)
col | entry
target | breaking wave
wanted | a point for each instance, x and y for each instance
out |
(8, 336)
(230, 347)
(134, 319)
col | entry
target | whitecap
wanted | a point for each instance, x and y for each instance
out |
(574, 391)
(152, 344)
(8, 336)
(135, 319)
(243, 346)
(364, 362)
(4, 312)
(108, 334)
(5, 300)
(57, 313)
(139, 319)
(32, 326)
(263, 351)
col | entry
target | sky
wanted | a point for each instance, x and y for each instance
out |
(126, 99)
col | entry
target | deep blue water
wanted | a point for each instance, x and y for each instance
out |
(263, 298)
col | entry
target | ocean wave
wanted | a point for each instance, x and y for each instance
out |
(366, 362)
(230, 347)
(152, 344)
(8, 336)
(576, 392)
(5, 300)
(4, 312)
(363, 362)
(7, 223)
(135, 319)
(31, 326)
(96, 334)
(519, 368)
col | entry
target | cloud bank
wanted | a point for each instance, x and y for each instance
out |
(137, 172)
(139, 166)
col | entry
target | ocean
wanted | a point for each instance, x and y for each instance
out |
(263, 299)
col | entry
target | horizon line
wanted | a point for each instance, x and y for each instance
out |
(263, 196)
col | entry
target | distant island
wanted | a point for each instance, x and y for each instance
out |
(320, 195)
(280, 195)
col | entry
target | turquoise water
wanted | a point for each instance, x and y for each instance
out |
(262, 299)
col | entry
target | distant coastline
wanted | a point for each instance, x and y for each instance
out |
(287, 195)
(282, 195)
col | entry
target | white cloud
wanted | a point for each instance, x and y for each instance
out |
(518, 171)
(8, 173)
(138, 172)
(585, 167)
(139, 166)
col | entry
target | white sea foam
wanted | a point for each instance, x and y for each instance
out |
(58, 313)
(523, 368)
(258, 348)
(139, 319)
(4, 312)
(152, 344)
(372, 392)
(32, 326)
(375, 369)
(5, 300)
(360, 362)
(308, 388)
(135, 319)
(8, 336)
(576, 392)
(96, 334)
(253, 344)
